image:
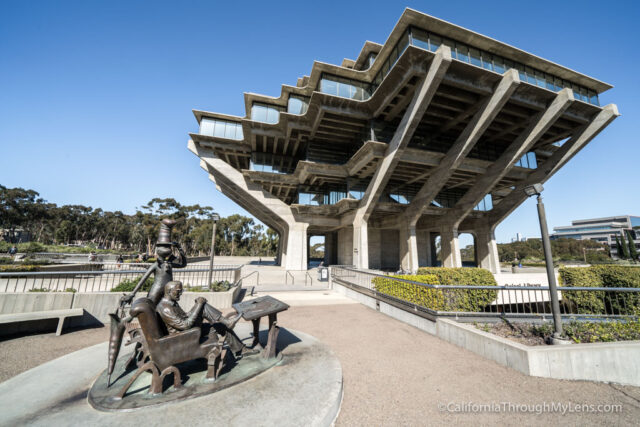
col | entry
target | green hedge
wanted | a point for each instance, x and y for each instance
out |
(15, 268)
(601, 302)
(129, 285)
(442, 299)
(589, 332)
(420, 295)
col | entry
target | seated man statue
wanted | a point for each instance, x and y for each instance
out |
(177, 320)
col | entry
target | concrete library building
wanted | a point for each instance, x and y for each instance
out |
(434, 133)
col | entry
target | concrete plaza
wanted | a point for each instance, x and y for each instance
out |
(394, 374)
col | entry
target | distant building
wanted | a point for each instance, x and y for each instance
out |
(603, 230)
(519, 238)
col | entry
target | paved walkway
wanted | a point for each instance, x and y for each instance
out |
(395, 374)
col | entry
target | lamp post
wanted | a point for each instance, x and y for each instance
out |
(557, 337)
(215, 217)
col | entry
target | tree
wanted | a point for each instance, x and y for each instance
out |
(633, 253)
(618, 247)
(625, 248)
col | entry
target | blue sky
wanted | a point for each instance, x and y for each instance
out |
(96, 97)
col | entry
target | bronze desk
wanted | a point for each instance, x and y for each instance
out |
(254, 310)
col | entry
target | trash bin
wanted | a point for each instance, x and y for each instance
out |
(323, 274)
(514, 268)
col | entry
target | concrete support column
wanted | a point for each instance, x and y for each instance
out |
(408, 247)
(450, 248)
(433, 250)
(328, 249)
(487, 250)
(295, 249)
(423, 239)
(360, 245)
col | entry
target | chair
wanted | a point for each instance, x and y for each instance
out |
(165, 351)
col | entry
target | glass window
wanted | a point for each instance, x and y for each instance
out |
(393, 57)
(297, 105)
(258, 113)
(508, 64)
(531, 77)
(371, 59)
(593, 98)
(520, 68)
(475, 57)
(403, 43)
(354, 194)
(230, 131)
(452, 46)
(486, 61)
(359, 93)
(219, 130)
(540, 80)
(420, 38)
(264, 113)
(206, 126)
(463, 52)
(498, 65)
(344, 90)
(385, 68)
(273, 115)
(486, 204)
(434, 42)
(400, 198)
(328, 86)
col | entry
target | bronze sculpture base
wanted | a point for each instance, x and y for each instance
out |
(194, 383)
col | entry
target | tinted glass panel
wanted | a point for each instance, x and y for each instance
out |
(475, 57)
(328, 86)
(434, 42)
(420, 38)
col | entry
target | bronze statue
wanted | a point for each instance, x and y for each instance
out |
(176, 320)
(162, 269)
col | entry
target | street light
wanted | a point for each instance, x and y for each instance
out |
(215, 217)
(557, 337)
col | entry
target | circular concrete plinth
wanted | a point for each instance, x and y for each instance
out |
(305, 388)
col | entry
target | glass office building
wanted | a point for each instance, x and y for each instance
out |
(604, 230)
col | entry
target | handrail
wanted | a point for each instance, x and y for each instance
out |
(251, 274)
(99, 272)
(489, 287)
(306, 274)
(286, 278)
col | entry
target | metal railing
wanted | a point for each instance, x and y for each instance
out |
(307, 275)
(286, 278)
(512, 301)
(257, 273)
(104, 281)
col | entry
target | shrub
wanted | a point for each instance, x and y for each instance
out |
(220, 286)
(420, 295)
(130, 284)
(463, 300)
(602, 302)
(39, 290)
(588, 332)
(6, 260)
(15, 268)
(32, 247)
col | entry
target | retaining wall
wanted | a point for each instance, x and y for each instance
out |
(97, 306)
(605, 362)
